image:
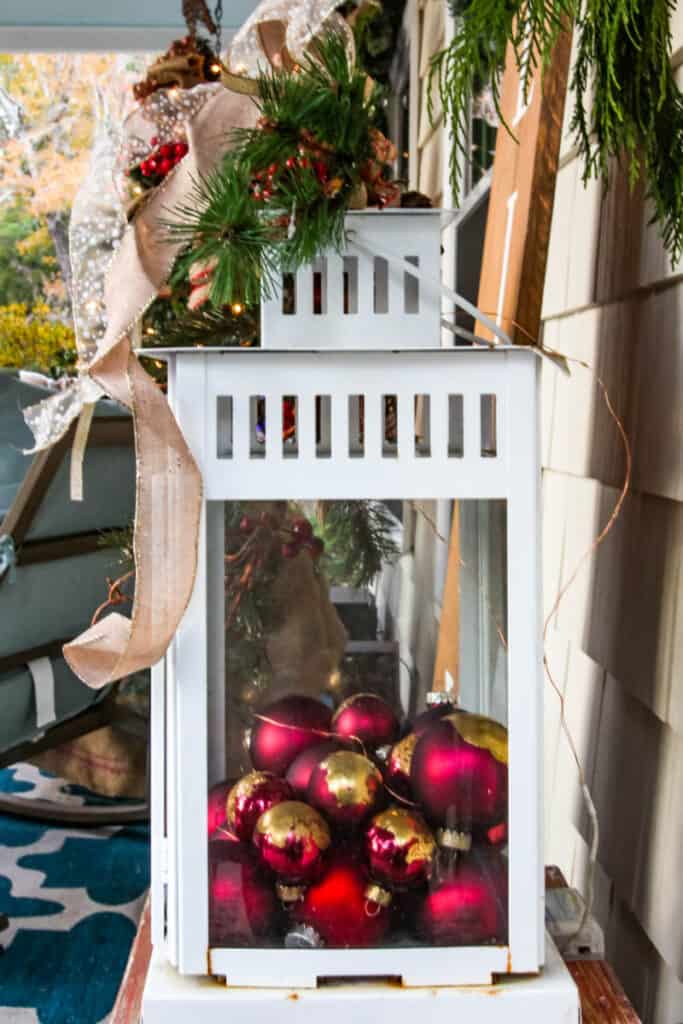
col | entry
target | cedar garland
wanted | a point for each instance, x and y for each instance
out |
(627, 104)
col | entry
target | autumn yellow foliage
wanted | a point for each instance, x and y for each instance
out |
(32, 338)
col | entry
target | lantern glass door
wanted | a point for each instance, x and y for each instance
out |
(357, 725)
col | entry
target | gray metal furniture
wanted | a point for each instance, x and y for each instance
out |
(58, 579)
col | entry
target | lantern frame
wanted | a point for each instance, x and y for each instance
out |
(211, 392)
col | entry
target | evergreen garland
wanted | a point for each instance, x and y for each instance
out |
(358, 537)
(282, 192)
(622, 64)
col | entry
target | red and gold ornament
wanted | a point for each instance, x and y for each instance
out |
(346, 787)
(400, 758)
(249, 798)
(243, 907)
(469, 907)
(368, 718)
(459, 774)
(284, 729)
(217, 801)
(342, 908)
(300, 770)
(291, 839)
(400, 848)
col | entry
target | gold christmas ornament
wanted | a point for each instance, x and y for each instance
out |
(346, 787)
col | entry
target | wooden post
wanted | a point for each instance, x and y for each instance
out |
(515, 257)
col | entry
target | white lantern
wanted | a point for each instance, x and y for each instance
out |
(358, 337)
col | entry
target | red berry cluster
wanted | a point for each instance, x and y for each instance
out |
(264, 183)
(298, 536)
(162, 159)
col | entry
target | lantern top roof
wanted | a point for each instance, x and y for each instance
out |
(234, 350)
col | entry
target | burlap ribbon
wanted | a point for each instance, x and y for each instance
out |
(169, 487)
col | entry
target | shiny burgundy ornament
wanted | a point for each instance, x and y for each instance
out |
(300, 770)
(433, 714)
(249, 798)
(285, 728)
(218, 796)
(468, 908)
(399, 761)
(243, 907)
(459, 772)
(397, 768)
(399, 848)
(367, 718)
(346, 787)
(291, 839)
(339, 908)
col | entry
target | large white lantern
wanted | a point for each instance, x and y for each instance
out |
(351, 349)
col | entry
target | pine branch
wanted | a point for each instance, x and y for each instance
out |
(358, 537)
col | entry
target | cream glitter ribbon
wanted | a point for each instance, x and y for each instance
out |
(169, 487)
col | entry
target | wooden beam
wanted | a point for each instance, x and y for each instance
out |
(522, 196)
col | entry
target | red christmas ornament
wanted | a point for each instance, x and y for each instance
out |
(346, 787)
(469, 908)
(218, 796)
(165, 151)
(300, 770)
(243, 907)
(165, 166)
(433, 714)
(397, 768)
(368, 718)
(291, 839)
(399, 762)
(249, 798)
(302, 530)
(459, 772)
(284, 729)
(400, 848)
(339, 907)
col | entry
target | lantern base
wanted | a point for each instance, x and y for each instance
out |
(171, 998)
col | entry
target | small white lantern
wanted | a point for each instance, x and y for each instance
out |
(466, 428)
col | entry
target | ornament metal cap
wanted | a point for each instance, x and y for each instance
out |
(451, 839)
(302, 936)
(376, 894)
(435, 697)
(289, 893)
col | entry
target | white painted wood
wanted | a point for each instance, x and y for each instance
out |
(522, 429)
(256, 472)
(215, 625)
(551, 998)
(158, 841)
(259, 472)
(190, 723)
(413, 234)
(303, 968)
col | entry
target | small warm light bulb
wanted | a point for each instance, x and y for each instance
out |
(214, 68)
(150, 330)
(237, 308)
(158, 363)
(174, 92)
(91, 307)
(137, 190)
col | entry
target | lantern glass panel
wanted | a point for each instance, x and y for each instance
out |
(351, 803)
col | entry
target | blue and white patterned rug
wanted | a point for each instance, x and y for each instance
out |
(73, 897)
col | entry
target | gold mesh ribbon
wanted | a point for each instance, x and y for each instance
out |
(169, 486)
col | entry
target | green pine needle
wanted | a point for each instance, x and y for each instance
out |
(627, 105)
(321, 109)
